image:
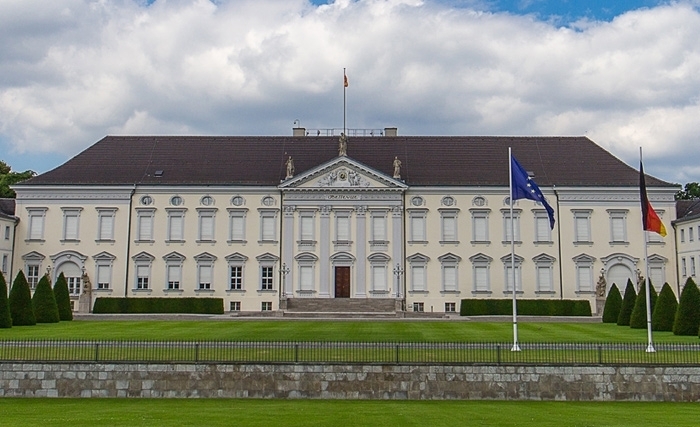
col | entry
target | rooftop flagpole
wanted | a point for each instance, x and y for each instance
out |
(647, 282)
(345, 86)
(515, 347)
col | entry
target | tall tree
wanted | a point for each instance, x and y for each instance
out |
(8, 178)
(5, 317)
(638, 319)
(690, 191)
(60, 291)
(21, 302)
(44, 302)
(665, 310)
(687, 321)
(627, 305)
(613, 303)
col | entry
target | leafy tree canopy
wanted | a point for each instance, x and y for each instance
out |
(690, 191)
(8, 178)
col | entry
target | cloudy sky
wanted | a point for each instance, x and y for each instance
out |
(626, 75)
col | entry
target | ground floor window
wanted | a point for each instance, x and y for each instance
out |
(266, 306)
(73, 285)
(450, 307)
(235, 306)
(419, 307)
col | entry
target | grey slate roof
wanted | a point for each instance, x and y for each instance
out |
(255, 160)
(687, 209)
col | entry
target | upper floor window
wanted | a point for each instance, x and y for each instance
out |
(511, 229)
(205, 271)
(618, 225)
(378, 224)
(71, 223)
(582, 226)
(173, 270)
(36, 223)
(543, 232)
(146, 200)
(417, 201)
(481, 280)
(450, 274)
(479, 201)
(206, 224)
(448, 218)
(176, 225)
(342, 226)
(236, 219)
(144, 224)
(237, 201)
(418, 272)
(7, 232)
(105, 224)
(417, 225)
(176, 201)
(544, 273)
(690, 234)
(268, 226)
(480, 225)
(682, 235)
(512, 275)
(207, 201)
(584, 273)
(103, 270)
(448, 201)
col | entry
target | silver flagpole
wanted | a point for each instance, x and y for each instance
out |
(516, 347)
(345, 130)
(647, 282)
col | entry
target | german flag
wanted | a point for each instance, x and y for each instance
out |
(650, 220)
(345, 81)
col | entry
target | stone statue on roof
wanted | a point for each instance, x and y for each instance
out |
(397, 168)
(343, 145)
(290, 168)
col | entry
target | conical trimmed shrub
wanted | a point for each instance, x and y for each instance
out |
(21, 302)
(638, 319)
(687, 319)
(627, 305)
(60, 291)
(5, 317)
(665, 310)
(44, 302)
(613, 303)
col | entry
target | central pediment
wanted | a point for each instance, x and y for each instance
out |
(342, 173)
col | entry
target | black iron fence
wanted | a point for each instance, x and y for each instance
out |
(348, 352)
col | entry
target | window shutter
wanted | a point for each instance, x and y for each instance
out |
(543, 229)
(343, 231)
(71, 232)
(306, 277)
(450, 278)
(36, 227)
(582, 234)
(449, 229)
(268, 228)
(544, 279)
(656, 274)
(481, 277)
(206, 231)
(418, 228)
(103, 276)
(618, 229)
(176, 223)
(205, 274)
(307, 228)
(106, 227)
(480, 229)
(237, 228)
(379, 278)
(173, 273)
(145, 228)
(584, 278)
(378, 228)
(418, 277)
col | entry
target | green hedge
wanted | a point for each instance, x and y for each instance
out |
(526, 307)
(159, 305)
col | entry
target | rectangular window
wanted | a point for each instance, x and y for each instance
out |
(682, 235)
(618, 226)
(174, 276)
(237, 227)
(585, 278)
(684, 269)
(7, 232)
(235, 277)
(142, 276)
(582, 227)
(692, 266)
(306, 228)
(509, 226)
(418, 228)
(70, 230)
(268, 228)
(481, 279)
(32, 275)
(73, 285)
(379, 278)
(342, 228)
(306, 278)
(418, 278)
(205, 273)
(266, 306)
(510, 277)
(450, 307)
(266, 278)
(145, 226)
(419, 307)
(103, 276)
(36, 224)
(235, 306)
(4, 264)
(105, 226)
(544, 278)
(449, 227)
(690, 234)
(206, 226)
(480, 226)
(176, 226)
(449, 278)
(378, 228)
(543, 233)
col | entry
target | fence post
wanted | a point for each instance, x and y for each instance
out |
(498, 354)
(600, 354)
(397, 354)
(296, 353)
(97, 351)
(196, 352)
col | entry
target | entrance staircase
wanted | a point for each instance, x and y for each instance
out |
(342, 308)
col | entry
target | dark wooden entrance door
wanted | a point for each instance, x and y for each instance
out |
(342, 282)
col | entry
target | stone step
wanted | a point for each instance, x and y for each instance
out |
(341, 305)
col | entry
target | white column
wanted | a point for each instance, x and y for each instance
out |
(325, 252)
(288, 249)
(396, 244)
(361, 252)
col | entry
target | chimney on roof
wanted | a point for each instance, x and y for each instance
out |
(391, 131)
(298, 131)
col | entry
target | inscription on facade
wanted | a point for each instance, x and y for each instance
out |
(343, 197)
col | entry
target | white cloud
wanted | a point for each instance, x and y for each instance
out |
(74, 70)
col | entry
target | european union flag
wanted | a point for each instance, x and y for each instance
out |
(525, 188)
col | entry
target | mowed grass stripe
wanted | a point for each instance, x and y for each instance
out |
(196, 412)
(335, 331)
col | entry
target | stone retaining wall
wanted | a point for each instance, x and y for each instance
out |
(583, 383)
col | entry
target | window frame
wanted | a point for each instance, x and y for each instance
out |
(517, 213)
(582, 217)
(143, 261)
(449, 218)
(584, 262)
(205, 260)
(173, 215)
(481, 263)
(478, 216)
(618, 226)
(203, 214)
(145, 217)
(36, 218)
(105, 217)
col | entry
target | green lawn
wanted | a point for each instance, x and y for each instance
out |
(213, 412)
(325, 330)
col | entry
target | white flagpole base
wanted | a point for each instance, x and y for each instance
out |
(515, 347)
(650, 348)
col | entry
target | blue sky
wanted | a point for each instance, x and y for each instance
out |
(624, 73)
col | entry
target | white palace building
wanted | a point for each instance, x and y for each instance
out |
(261, 222)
